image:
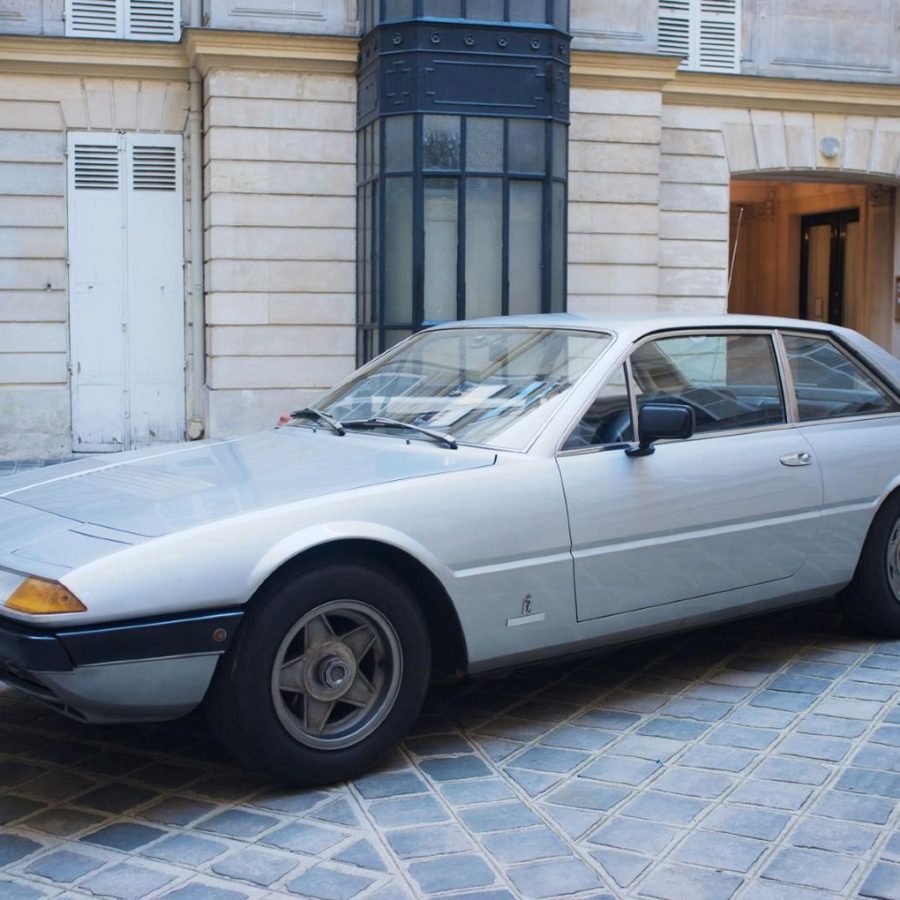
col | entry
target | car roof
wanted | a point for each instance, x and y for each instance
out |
(636, 324)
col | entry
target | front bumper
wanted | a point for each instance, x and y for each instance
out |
(143, 670)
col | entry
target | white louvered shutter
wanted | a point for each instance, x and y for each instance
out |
(96, 220)
(155, 252)
(153, 20)
(718, 39)
(94, 18)
(675, 27)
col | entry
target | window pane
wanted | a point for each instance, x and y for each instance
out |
(528, 10)
(484, 145)
(398, 240)
(525, 205)
(526, 146)
(484, 247)
(560, 150)
(442, 140)
(561, 14)
(485, 10)
(397, 9)
(829, 384)
(398, 144)
(729, 382)
(441, 242)
(608, 421)
(394, 336)
(444, 9)
(558, 248)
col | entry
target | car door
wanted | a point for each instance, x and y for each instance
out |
(736, 505)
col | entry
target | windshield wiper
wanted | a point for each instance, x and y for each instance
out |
(316, 415)
(381, 421)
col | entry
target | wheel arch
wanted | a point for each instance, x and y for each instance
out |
(448, 644)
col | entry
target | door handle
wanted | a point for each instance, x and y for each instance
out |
(797, 459)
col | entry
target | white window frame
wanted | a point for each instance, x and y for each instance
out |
(138, 20)
(706, 33)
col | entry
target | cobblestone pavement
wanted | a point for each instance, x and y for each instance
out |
(758, 760)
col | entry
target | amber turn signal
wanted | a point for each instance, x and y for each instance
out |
(43, 598)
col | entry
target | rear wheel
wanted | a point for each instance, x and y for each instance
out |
(872, 599)
(326, 676)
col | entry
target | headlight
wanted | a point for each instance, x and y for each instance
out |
(43, 598)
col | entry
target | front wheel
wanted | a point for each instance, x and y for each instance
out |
(872, 600)
(326, 676)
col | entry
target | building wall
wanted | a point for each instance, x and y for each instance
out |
(298, 16)
(280, 223)
(35, 113)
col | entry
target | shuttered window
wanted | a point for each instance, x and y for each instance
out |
(705, 32)
(145, 20)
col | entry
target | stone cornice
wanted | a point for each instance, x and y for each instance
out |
(202, 48)
(639, 71)
(91, 56)
(208, 49)
(592, 69)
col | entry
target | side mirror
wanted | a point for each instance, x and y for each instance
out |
(662, 421)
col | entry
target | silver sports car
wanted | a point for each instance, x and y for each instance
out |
(484, 494)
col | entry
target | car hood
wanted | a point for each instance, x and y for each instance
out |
(153, 493)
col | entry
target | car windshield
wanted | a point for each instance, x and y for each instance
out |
(482, 386)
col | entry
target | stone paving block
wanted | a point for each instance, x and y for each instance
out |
(414, 843)
(553, 879)
(680, 780)
(817, 833)
(239, 823)
(300, 837)
(877, 756)
(812, 747)
(883, 882)
(742, 736)
(782, 700)
(633, 834)
(452, 873)
(609, 719)
(720, 851)
(802, 684)
(622, 867)
(513, 729)
(574, 822)
(574, 737)
(165, 776)
(869, 782)
(13, 848)
(362, 855)
(14, 890)
(704, 690)
(63, 866)
(702, 710)
(524, 845)
(666, 808)
(62, 821)
(176, 811)
(454, 768)
(17, 773)
(886, 734)
(865, 710)
(437, 745)
(797, 771)
(546, 759)
(620, 769)
(863, 690)
(125, 836)
(498, 817)
(287, 801)
(203, 890)
(127, 881)
(831, 726)
(390, 784)
(588, 794)
(819, 668)
(723, 759)
(484, 790)
(338, 812)
(770, 794)
(256, 866)
(533, 783)
(762, 717)
(56, 787)
(657, 749)
(186, 849)
(853, 808)
(115, 797)
(811, 868)
(416, 810)
(678, 882)
(677, 729)
(747, 822)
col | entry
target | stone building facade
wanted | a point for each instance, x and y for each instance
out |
(704, 171)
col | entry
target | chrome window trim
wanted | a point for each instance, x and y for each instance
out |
(789, 393)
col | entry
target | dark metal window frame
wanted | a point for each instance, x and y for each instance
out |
(372, 14)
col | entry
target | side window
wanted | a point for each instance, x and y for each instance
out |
(828, 384)
(608, 421)
(730, 381)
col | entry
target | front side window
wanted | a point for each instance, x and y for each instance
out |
(482, 386)
(828, 384)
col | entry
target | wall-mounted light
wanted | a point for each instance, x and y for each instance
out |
(830, 147)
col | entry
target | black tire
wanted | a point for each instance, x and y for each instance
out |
(872, 599)
(269, 706)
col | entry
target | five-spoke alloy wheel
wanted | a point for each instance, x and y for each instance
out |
(326, 675)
